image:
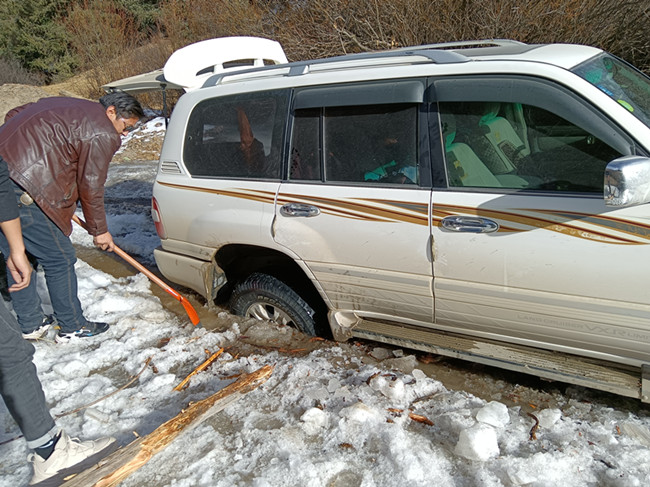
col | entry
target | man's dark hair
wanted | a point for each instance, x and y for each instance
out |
(125, 105)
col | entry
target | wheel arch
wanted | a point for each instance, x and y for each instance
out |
(238, 261)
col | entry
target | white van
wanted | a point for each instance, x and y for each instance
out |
(486, 200)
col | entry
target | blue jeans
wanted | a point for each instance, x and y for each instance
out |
(19, 385)
(55, 253)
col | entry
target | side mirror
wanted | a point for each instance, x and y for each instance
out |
(627, 181)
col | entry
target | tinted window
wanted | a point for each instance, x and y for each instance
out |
(357, 144)
(518, 146)
(236, 136)
(371, 144)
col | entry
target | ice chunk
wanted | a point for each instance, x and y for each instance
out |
(418, 374)
(380, 353)
(548, 417)
(260, 482)
(494, 413)
(319, 393)
(392, 389)
(97, 415)
(478, 442)
(403, 364)
(359, 413)
(314, 420)
(333, 385)
(638, 432)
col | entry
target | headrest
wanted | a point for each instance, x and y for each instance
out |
(490, 113)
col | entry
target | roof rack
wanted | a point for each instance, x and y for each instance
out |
(469, 44)
(299, 68)
(442, 53)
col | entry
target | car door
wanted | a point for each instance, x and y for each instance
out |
(524, 248)
(355, 209)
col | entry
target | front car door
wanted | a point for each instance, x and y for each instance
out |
(524, 248)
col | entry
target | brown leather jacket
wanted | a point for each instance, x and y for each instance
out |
(58, 150)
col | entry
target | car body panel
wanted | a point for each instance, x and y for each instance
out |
(387, 271)
(559, 272)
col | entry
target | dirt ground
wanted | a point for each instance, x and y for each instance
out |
(13, 95)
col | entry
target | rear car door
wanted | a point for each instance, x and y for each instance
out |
(525, 249)
(355, 209)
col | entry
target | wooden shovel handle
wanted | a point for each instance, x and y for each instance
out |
(189, 309)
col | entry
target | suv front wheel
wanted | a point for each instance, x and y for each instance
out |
(265, 297)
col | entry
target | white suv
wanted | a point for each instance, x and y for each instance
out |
(484, 200)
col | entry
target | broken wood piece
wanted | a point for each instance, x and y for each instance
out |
(533, 431)
(420, 419)
(201, 367)
(123, 462)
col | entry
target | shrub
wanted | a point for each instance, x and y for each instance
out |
(321, 28)
(12, 72)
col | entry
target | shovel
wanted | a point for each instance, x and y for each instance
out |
(191, 312)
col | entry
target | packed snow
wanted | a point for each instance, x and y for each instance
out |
(324, 418)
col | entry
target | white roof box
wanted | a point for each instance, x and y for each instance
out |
(190, 66)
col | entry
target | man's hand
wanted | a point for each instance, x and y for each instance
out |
(21, 271)
(104, 241)
(17, 263)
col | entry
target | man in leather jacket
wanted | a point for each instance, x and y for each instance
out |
(58, 151)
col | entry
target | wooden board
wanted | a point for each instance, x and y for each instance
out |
(121, 463)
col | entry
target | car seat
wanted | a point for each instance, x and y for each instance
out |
(464, 168)
(503, 139)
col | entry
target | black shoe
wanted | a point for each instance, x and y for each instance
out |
(90, 329)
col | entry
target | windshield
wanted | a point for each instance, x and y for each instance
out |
(621, 81)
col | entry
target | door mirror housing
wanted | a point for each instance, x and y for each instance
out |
(627, 181)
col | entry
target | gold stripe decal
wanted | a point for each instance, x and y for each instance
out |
(574, 224)
(586, 226)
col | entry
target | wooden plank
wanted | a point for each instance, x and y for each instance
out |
(121, 463)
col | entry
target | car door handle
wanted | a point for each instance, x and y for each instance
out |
(299, 209)
(471, 224)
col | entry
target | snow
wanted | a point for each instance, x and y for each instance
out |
(324, 418)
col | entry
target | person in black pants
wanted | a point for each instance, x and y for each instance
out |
(55, 455)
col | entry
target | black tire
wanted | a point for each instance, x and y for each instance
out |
(265, 297)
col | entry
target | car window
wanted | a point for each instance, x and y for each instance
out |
(373, 145)
(236, 136)
(520, 146)
(620, 81)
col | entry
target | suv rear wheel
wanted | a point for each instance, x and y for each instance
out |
(265, 297)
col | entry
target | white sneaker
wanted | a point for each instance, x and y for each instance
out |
(42, 330)
(70, 456)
